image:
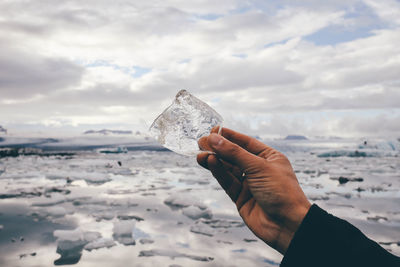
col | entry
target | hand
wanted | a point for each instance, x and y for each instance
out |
(260, 181)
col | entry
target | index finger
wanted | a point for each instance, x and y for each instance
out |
(251, 144)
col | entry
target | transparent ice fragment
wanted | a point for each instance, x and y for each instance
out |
(180, 126)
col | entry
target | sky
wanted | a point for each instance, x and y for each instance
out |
(272, 68)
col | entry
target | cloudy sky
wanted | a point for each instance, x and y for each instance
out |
(268, 67)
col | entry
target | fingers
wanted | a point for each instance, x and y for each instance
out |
(226, 179)
(232, 153)
(233, 169)
(244, 196)
(203, 144)
(202, 159)
(248, 143)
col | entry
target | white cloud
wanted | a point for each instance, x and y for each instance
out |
(388, 10)
(79, 63)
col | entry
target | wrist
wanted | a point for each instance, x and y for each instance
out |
(290, 226)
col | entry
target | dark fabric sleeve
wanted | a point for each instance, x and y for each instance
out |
(325, 240)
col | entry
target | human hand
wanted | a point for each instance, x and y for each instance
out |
(260, 181)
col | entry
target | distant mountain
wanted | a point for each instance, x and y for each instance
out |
(3, 130)
(295, 137)
(107, 132)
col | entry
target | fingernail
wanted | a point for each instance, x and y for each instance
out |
(215, 140)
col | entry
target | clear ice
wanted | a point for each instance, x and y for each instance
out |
(186, 120)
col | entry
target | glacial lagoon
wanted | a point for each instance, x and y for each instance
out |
(142, 205)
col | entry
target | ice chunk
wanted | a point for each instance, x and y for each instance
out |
(130, 217)
(202, 230)
(172, 254)
(46, 202)
(100, 243)
(123, 232)
(70, 252)
(180, 126)
(146, 241)
(91, 236)
(76, 235)
(104, 215)
(181, 201)
(56, 212)
(70, 244)
(221, 223)
(69, 235)
(195, 213)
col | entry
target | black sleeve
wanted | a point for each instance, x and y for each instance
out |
(325, 240)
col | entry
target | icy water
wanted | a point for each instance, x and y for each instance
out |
(156, 208)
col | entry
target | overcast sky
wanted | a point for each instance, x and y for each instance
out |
(268, 67)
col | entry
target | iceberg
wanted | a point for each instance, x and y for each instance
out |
(186, 120)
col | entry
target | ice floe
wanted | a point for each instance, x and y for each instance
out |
(100, 243)
(172, 254)
(194, 212)
(123, 232)
(180, 201)
(202, 230)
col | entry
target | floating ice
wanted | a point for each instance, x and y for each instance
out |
(125, 217)
(202, 230)
(76, 235)
(70, 252)
(146, 241)
(181, 201)
(96, 178)
(221, 223)
(172, 254)
(104, 215)
(100, 243)
(180, 126)
(69, 235)
(195, 213)
(123, 232)
(91, 236)
(70, 244)
(56, 212)
(46, 202)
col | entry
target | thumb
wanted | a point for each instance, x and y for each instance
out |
(232, 152)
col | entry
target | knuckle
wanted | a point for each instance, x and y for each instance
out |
(234, 150)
